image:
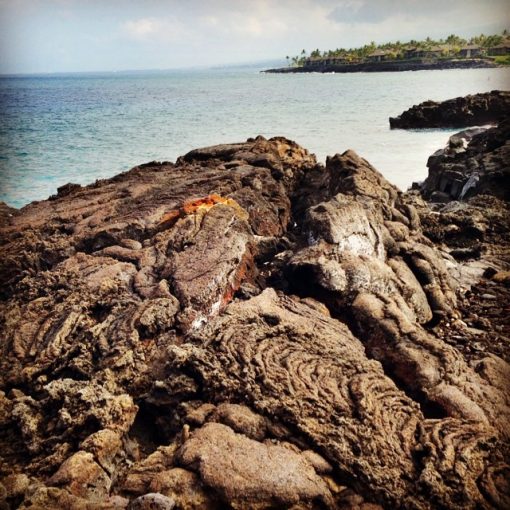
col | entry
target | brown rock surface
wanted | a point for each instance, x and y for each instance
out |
(248, 473)
(247, 328)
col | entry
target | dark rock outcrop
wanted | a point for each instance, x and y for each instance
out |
(474, 110)
(6, 212)
(245, 328)
(475, 162)
(468, 189)
(391, 66)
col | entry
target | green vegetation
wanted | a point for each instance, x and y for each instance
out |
(450, 47)
(503, 60)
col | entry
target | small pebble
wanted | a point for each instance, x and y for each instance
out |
(488, 296)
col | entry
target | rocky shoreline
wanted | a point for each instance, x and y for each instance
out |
(249, 328)
(473, 110)
(390, 66)
(475, 160)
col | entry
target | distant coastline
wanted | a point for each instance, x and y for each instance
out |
(391, 66)
(453, 52)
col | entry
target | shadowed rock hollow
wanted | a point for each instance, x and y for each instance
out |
(245, 328)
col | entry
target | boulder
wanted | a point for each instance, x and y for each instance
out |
(250, 474)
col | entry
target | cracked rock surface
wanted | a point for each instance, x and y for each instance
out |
(244, 329)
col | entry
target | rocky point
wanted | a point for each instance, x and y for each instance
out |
(247, 328)
(476, 109)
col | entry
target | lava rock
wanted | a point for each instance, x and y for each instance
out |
(472, 110)
(481, 167)
(248, 328)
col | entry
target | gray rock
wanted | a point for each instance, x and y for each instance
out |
(152, 501)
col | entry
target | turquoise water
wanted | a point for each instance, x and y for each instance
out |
(79, 128)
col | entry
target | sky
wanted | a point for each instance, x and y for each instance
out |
(44, 36)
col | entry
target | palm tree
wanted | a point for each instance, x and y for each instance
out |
(397, 48)
(493, 40)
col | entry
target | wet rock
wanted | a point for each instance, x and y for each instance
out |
(476, 109)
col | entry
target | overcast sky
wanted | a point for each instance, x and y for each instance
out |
(88, 35)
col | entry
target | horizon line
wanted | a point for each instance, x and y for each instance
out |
(145, 70)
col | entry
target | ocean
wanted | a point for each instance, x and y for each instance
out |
(82, 127)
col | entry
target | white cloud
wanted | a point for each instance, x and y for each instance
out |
(250, 25)
(212, 21)
(172, 33)
(454, 11)
(162, 30)
(141, 27)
